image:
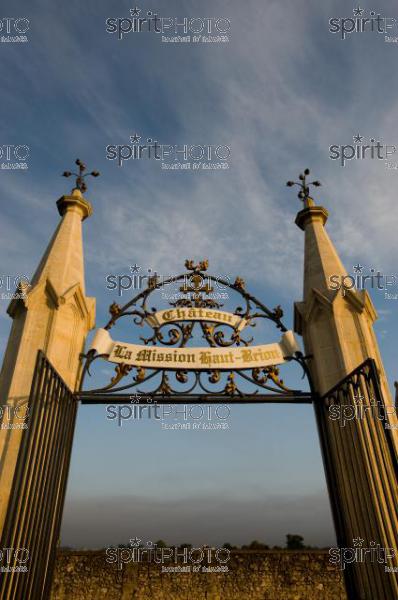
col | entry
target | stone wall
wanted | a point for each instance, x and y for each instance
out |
(252, 575)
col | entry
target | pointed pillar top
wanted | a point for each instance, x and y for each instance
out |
(321, 261)
(310, 212)
(75, 201)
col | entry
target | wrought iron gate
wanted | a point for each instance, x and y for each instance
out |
(358, 398)
(34, 515)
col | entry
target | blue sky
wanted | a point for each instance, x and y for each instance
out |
(279, 94)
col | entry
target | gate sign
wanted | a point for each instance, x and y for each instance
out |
(186, 358)
(196, 314)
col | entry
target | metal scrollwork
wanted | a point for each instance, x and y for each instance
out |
(195, 286)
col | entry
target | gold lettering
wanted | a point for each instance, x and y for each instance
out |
(229, 358)
(246, 355)
(205, 358)
(117, 351)
(144, 355)
(168, 315)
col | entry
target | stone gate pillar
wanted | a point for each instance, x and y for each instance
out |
(55, 317)
(360, 465)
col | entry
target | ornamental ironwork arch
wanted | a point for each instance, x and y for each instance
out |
(173, 384)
